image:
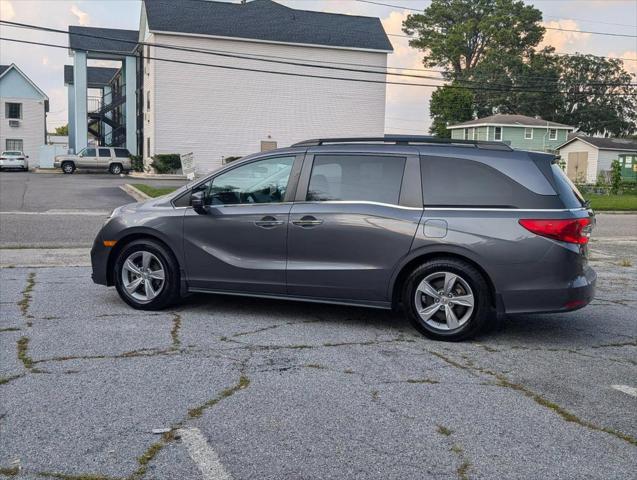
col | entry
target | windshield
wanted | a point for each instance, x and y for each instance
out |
(12, 152)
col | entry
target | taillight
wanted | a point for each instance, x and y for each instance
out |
(572, 230)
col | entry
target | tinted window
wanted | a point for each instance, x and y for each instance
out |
(455, 182)
(104, 152)
(263, 181)
(88, 152)
(356, 178)
(566, 189)
(121, 153)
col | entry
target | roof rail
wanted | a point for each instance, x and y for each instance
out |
(406, 140)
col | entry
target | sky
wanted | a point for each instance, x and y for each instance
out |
(407, 106)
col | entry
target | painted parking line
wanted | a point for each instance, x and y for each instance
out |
(203, 455)
(96, 213)
(632, 391)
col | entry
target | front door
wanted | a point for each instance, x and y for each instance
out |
(351, 226)
(240, 243)
(87, 158)
(103, 158)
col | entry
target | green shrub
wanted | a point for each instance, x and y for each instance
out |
(615, 176)
(166, 162)
(137, 163)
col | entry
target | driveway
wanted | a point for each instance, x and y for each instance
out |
(56, 210)
(256, 389)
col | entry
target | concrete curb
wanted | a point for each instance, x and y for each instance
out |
(46, 170)
(137, 194)
(615, 212)
(156, 176)
(45, 257)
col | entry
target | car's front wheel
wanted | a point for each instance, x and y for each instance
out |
(147, 275)
(447, 299)
(68, 167)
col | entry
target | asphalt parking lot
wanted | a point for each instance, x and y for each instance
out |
(57, 210)
(263, 389)
(271, 390)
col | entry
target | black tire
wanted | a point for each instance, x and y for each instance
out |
(476, 319)
(115, 168)
(68, 167)
(169, 293)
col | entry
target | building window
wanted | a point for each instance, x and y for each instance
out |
(528, 134)
(148, 146)
(148, 101)
(497, 135)
(553, 134)
(466, 134)
(15, 145)
(148, 54)
(13, 110)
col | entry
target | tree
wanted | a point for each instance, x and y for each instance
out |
(599, 96)
(63, 130)
(458, 34)
(615, 176)
(449, 105)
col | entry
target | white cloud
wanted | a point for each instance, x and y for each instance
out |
(561, 39)
(82, 17)
(7, 12)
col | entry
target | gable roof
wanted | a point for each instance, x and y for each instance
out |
(606, 143)
(501, 119)
(4, 69)
(96, 77)
(80, 42)
(265, 20)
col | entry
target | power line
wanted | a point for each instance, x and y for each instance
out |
(609, 34)
(287, 61)
(325, 77)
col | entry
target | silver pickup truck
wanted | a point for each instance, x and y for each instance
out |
(115, 160)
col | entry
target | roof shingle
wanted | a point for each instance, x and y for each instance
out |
(80, 42)
(512, 120)
(607, 143)
(96, 77)
(267, 21)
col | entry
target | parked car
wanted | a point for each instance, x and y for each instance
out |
(456, 234)
(14, 159)
(115, 160)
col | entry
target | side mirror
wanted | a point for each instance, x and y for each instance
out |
(197, 202)
(26, 156)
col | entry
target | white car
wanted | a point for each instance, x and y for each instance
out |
(14, 159)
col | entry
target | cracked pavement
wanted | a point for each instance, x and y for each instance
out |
(290, 390)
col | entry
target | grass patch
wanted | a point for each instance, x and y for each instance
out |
(9, 471)
(174, 332)
(23, 355)
(26, 295)
(81, 476)
(442, 430)
(612, 202)
(625, 263)
(153, 191)
(422, 380)
(228, 392)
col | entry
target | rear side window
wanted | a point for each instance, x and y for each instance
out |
(566, 189)
(457, 182)
(122, 153)
(356, 178)
(104, 152)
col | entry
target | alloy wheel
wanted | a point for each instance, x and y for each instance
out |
(143, 276)
(444, 300)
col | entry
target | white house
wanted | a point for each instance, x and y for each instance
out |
(23, 108)
(269, 77)
(587, 157)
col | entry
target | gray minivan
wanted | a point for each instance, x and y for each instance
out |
(456, 233)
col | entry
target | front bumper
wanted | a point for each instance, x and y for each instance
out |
(99, 261)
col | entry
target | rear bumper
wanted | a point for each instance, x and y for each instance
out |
(573, 295)
(13, 164)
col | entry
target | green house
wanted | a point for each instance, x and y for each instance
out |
(518, 131)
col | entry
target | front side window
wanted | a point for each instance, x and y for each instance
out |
(263, 181)
(88, 152)
(553, 134)
(13, 110)
(356, 178)
(104, 152)
(528, 133)
(497, 135)
(15, 144)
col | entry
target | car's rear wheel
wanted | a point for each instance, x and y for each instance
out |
(115, 168)
(447, 299)
(68, 167)
(147, 275)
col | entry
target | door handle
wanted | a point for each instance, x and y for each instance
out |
(268, 222)
(307, 221)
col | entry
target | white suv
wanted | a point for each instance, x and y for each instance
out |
(115, 160)
(14, 159)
